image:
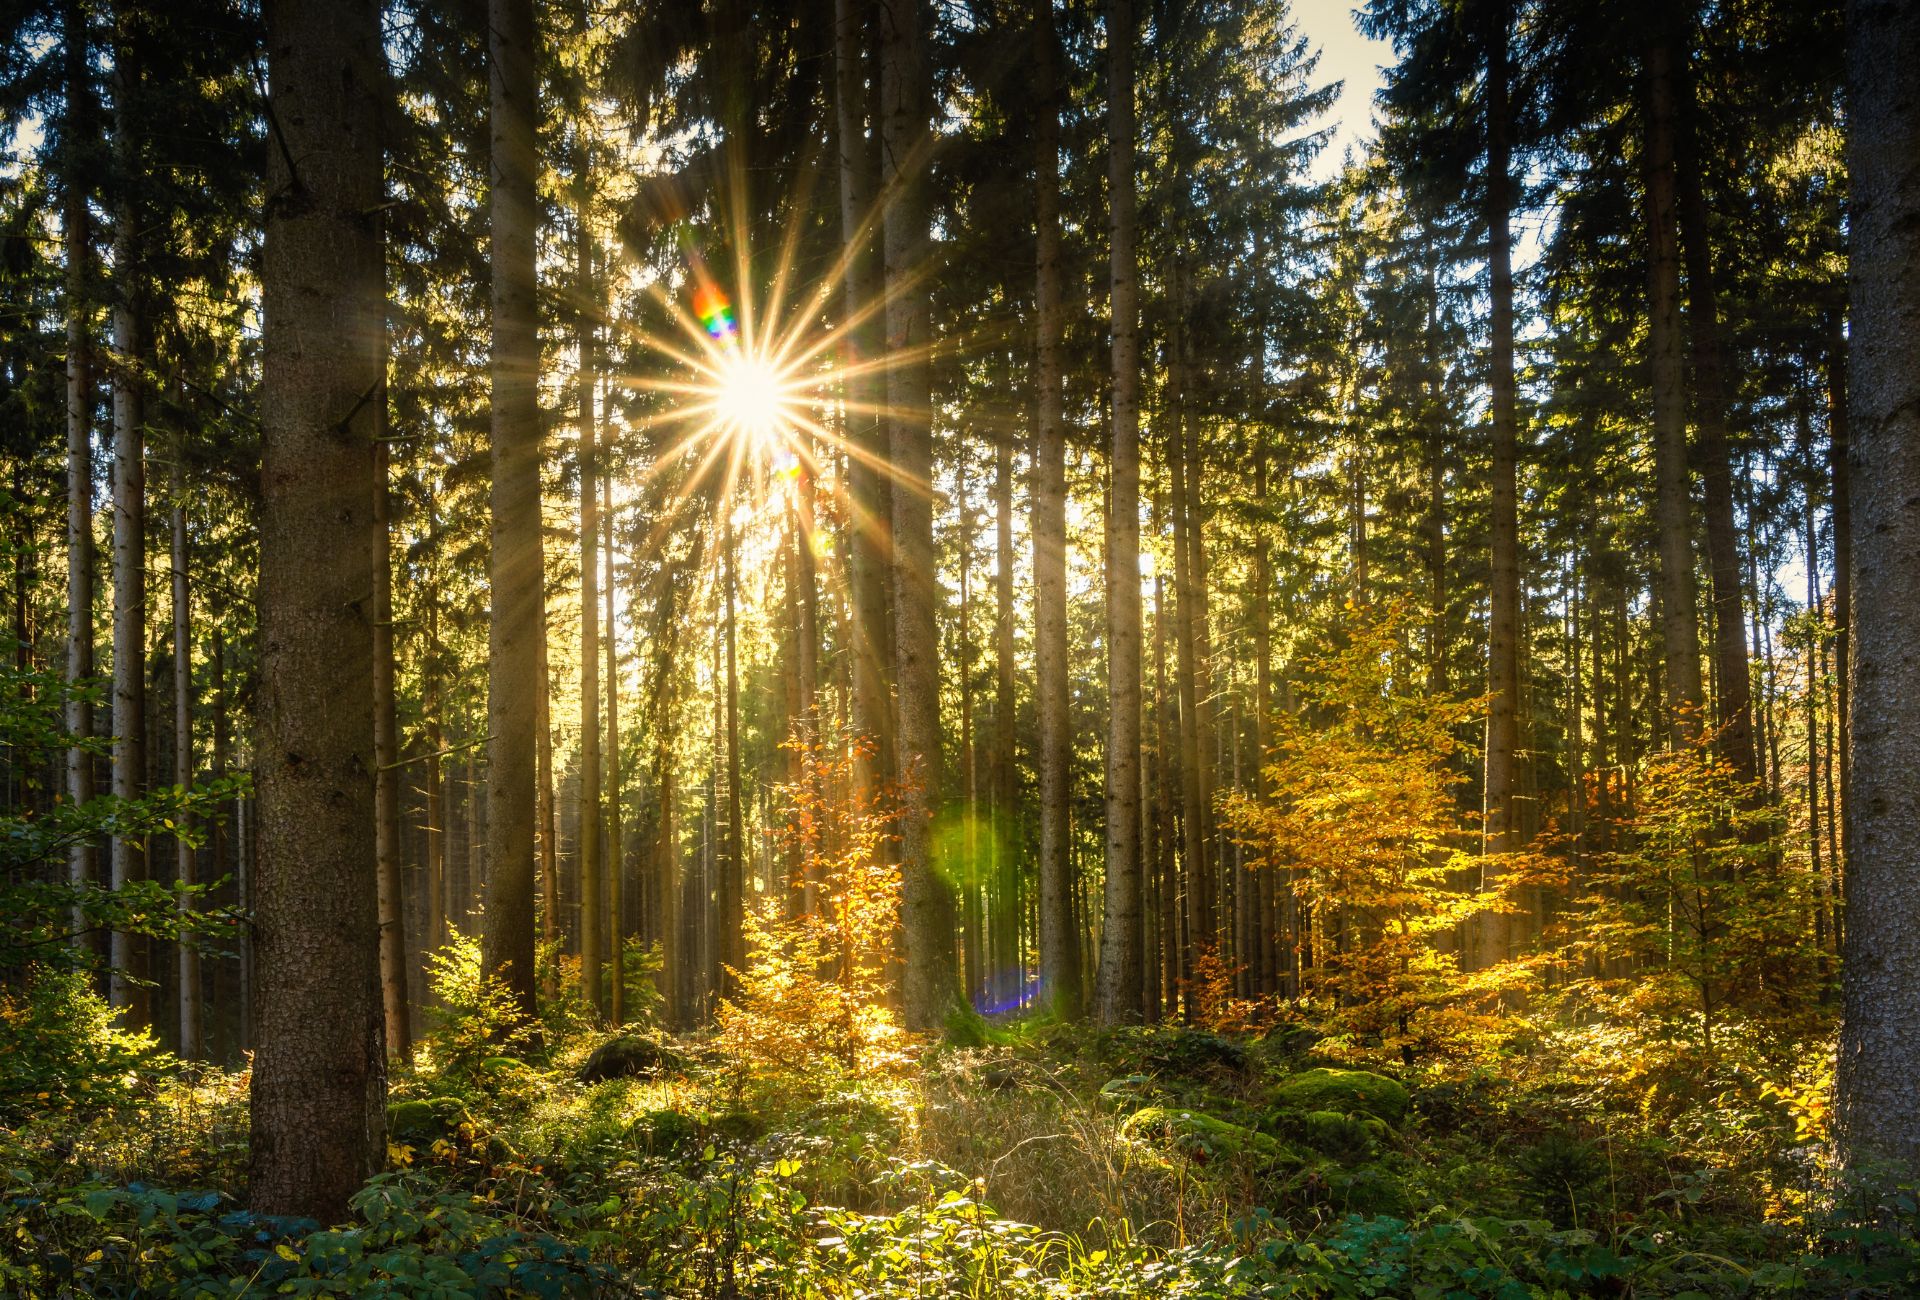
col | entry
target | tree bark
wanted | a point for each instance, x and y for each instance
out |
(1503, 614)
(1733, 702)
(515, 569)
(83, 867)
(927, 911)
(319, 1078)
(1118, 985)
(1673, 504)
(1879, 1064)
(187, 956)
(587, 842)
(616, 857)
(386, 777)
(870, 493)
(1059, 960)
(127, 987)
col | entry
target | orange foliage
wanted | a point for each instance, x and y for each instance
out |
(1364, 819)
(815, 990)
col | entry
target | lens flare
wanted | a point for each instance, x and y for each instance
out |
(753, 399)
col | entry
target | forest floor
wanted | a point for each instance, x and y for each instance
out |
(1037, 1161)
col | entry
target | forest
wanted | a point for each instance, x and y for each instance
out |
(993, 648)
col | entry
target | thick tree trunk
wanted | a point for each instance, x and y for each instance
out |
(83, 867)
(1059, 960)
(1879, 1073)
(386, 778)
(870, 493)
(1503, 613)
(927, 909)
(1117, 988)
(516, 567)
(1673, 504)
(1733, 702)
(319, 1078)
(128, 990)
(733, 946)
(187, 956)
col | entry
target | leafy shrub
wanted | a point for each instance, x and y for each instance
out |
(61, 1050)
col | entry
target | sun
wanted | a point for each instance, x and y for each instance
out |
(753, 398)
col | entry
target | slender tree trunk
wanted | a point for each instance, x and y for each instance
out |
(192, 1044)
(544, 809)
(1733, 711)
(616, 856)
(587, 842)
(1838, 444)
(515, 571)
(435, 886)
(926, 900)
(734, 916)
(128, 990)
(386, 778)
(870, 492)
(1673, 506)
(83, 868)
(1059, 961)
(319, 1076)
(187, 957)
(1503, 615)
(1117, 989)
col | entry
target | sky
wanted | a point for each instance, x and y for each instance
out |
(1347, 56)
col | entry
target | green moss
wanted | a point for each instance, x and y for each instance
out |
(1347, 1138)
(1349, 1092)
(427, 1119)
(1204, 1137)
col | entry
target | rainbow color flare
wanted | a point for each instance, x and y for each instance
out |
(716, 315)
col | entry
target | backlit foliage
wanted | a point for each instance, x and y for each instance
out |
(1363, 817)
(816, 986)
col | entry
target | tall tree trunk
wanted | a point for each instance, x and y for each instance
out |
(83, 868)
(1059, 960)
(435, 884)
(192, 1045)
(319, 1074)
(1839, 439)
(1673, 505)
(870, 493)
(1503, 614)
(732, 948)
(386, 776)
(1001, 776)
(1879, 1075)
(926, 900)
(616, 857)
(1733, 702)
(544, 809)
(1195, 846)
(587, 841)
(1117, 988)
(128, 990)
(516, 568)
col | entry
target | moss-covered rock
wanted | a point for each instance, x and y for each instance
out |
(426, 1119)
(664, 1132)
(1203, 1137)
(1349, 1092)
(628, 1056)
(1347, 1138)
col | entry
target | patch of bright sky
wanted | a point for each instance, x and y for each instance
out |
(1353, 60)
